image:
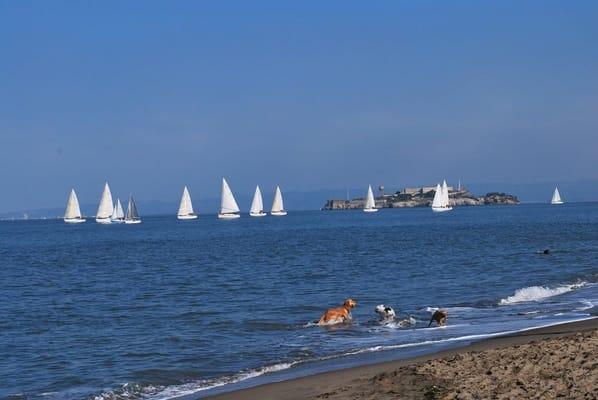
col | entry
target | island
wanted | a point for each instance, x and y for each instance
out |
(422, 197)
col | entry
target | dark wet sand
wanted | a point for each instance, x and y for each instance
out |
(559, 361)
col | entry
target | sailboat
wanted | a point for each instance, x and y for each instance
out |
(257, 205)
(441, 198)
(118, 216)
(132, 213)
(556, 197)
(277, 205)
(370, 204)
(105, 209)
(186, 207)
(72, 215)
(228, 205)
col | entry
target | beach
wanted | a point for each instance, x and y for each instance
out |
(551, 362)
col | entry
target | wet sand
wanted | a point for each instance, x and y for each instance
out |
(553, 362)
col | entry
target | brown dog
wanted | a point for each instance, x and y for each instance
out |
(440, 317)
(338, 315)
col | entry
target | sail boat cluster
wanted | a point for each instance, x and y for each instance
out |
(439, 204)
(108, 212)
(112, 213)
(229, 209)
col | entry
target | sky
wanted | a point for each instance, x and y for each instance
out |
(310, 95)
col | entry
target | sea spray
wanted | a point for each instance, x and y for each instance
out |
(535, 293)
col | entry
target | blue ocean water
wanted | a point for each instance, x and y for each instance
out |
(169, 308)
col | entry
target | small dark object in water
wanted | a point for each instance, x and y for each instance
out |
(440, 317)
(546, 251)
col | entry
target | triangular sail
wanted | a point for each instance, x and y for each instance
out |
(186, 207)
(277, 204)
(437, 202)
(105, 208)
(369, 202)
(257, 205)
(132, 212)
(119, 213)
(556, 197)
(72, 206)
(228, 203)
(445, 194)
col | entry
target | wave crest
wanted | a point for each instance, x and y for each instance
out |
(536, 293)
(130, 391)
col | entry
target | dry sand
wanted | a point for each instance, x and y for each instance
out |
(546, 363)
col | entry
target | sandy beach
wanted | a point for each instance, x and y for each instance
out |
(551, 362)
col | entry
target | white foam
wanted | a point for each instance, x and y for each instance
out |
(173, 391)
(588, 305)
(169, 392)
(536, 293)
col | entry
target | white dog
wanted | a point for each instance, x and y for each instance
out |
(387, 315)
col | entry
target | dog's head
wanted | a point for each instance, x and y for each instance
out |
(385, 312)
(349, 304)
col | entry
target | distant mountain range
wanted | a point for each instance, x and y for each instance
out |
(316, 199)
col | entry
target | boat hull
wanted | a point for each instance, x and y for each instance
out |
(187, 217)
(556, 203)
(118, 221)
(104, 220)
(441, 209)
(229, 216)
(74, 220)
(370, 210)
(278, 213)
(257, 214)
(132, 221)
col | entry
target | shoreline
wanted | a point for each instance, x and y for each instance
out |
(329, 384)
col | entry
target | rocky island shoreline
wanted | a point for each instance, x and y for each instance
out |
(422, 197)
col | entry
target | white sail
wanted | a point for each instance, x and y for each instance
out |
(437, 202)
(277, 204)
(445, 194)
(441, 198)
(257, 204)
(118, 214)
(556, 197)
(105, 208)
(72, 207)
(370, 203)
(228, 204)
(186, 207)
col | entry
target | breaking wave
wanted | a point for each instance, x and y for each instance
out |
(130, 391)
(536, 293)
(139, 391)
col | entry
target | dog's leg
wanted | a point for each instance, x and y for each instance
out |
(431, 320)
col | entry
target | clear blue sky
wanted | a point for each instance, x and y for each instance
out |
(154, 95)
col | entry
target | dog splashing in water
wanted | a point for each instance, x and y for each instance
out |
(388, 315)
(338, 315)
(440, 317)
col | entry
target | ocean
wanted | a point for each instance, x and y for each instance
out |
(170, 308)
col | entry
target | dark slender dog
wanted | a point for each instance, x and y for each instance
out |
(440, 317)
